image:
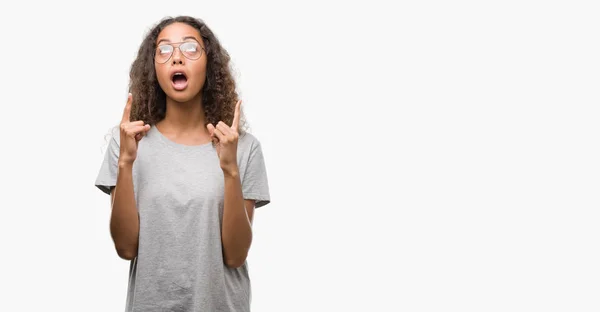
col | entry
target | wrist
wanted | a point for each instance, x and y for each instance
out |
(231, 171)
(125, 165)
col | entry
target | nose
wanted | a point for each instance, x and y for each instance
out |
(177, 57)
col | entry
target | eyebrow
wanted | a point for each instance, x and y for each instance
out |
(182, 39)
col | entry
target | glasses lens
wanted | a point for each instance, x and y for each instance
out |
(163, 53)
(191, 50)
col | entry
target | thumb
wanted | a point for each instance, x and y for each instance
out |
(140, 135)
(211, 129)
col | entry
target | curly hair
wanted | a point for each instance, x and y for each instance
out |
(219, 94)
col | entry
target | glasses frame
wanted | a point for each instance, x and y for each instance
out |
(172, 44)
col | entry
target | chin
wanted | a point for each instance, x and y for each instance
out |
(179, 96)
(182, 96)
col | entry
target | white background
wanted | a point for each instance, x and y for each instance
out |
(422, 156)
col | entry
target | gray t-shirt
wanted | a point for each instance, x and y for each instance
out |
(179, 191)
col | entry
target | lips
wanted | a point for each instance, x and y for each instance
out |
(179, 80)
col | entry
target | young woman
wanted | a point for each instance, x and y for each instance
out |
(184, 176)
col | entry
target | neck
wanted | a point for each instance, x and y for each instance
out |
(184, 116)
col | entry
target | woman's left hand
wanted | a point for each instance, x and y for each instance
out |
(227, 140)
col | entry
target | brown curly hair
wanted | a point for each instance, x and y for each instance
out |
(219, 94)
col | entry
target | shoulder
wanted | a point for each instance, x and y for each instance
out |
(114, 134)
(248, 141)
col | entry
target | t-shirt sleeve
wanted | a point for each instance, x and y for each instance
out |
(107, 176)
(255, 184)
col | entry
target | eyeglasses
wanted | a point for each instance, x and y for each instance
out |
(191, 50)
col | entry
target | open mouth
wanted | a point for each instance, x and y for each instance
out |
(179, 81)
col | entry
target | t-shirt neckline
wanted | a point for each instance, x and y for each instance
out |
(174, 144)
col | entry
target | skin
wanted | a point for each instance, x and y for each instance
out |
(184, 124)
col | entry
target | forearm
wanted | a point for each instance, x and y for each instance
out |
(124, 221)
(237, 228)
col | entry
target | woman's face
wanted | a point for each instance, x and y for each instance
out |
(180, 62)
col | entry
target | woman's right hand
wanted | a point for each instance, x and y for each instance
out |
(131, 133)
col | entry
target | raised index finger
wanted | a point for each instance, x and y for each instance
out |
(236, 116)
(127, 110)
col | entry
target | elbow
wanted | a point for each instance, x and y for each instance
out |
(126, 253)
(235, 263)
(126, 249)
